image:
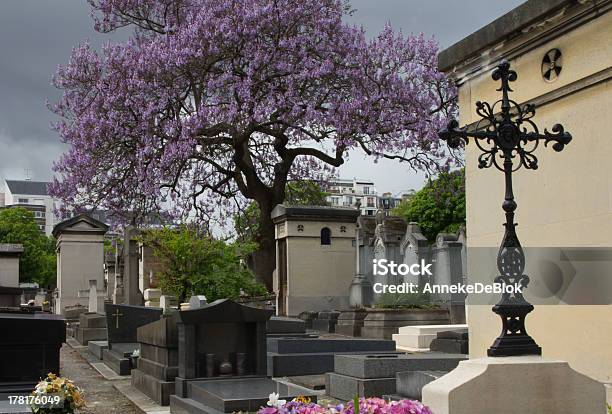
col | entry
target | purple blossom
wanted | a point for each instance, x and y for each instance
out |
(214, 102)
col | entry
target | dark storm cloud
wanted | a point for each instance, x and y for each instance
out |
(38, 35)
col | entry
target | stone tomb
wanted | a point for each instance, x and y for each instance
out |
(312, 356)
(29, 348)
(374, 375)
(158, 361)
(383, 323)
(122, 322)
(222, 360)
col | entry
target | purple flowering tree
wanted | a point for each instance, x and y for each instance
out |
(212, 103)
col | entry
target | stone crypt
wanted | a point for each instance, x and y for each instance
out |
(222, 360)
(536, 54)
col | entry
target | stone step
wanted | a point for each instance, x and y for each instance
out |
(343, 387)
(156, 389)
(96, 348)
(311, 345)
(410, 384)
(180, 405)
(286, 365)
(117, 362)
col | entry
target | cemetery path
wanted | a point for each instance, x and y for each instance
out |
(100, 395)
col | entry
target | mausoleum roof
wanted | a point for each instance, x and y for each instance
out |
(94, 225)
(315, 213)
(505, 27)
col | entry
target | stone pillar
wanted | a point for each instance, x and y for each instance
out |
(132, 293)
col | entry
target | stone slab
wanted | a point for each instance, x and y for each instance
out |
(387, 365)
(282, 325)
(84, 335)
(418, 338)
(124, 320)
(345, 388)
(92, 320)
(143, 403)
(233, 395)
(155, 369)
(285, 365)
(96, 348)
(410, 384)
(451, 346)
(117, 360)
(311, 345)
(383, 324)
(537, 385)
(154, 388)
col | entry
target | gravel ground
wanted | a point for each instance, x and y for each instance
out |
(100, 395)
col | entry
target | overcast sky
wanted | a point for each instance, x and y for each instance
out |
(38, 35)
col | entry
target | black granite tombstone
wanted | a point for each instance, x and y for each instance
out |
(222, 359)
(158, 361)
(122, 322)
(29, 348)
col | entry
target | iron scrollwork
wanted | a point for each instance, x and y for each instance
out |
(507, 138)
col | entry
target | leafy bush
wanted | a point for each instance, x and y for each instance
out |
(405, 301)
(194, 263)
(437, 207)
(37, 262)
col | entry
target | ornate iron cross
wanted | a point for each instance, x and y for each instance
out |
(507, 138)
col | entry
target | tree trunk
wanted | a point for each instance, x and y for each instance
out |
(263, 260)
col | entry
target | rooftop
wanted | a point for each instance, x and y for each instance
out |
(505, 27)
(27, 187)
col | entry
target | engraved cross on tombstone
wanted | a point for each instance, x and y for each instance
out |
(93, 294)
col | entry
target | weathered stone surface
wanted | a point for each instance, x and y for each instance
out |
(284, 325)
(351, 322)
(314, 345)
(386, 366)
(97, 348)
(158, 390)
(92, 320)
(410, 384)
(345, 388)
(326, 321)
(538, 385)
(152, 294)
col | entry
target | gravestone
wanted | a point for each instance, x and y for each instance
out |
(350, 322)
(132, 293)
(29, 348)
(168, 303)
(122, 322)
(197, 301)
(326, 321)
(9, 264)
(158, 362)
(222, 360)
(92, 327)
(374, 375)
(151, 297)
(80, 258)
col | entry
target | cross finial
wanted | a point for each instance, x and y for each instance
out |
(507, 138)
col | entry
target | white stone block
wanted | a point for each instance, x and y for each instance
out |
(152, 294)
(152, 304)
(168, 302)
(419, 337)
(184, 306)
(197, 301)
(510, 385)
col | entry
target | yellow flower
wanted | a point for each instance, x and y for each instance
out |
(302, 399)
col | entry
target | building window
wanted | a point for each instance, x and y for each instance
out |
(22, 200)
(342, 229)
(37, 214)
(325, 236)
(366, 190)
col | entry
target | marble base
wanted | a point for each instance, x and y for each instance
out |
(510, 385)
(418, 338)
